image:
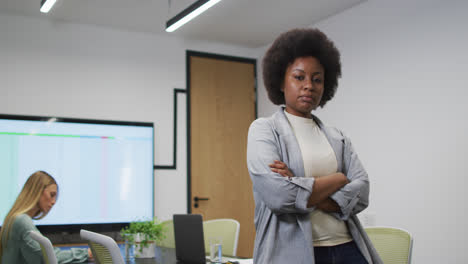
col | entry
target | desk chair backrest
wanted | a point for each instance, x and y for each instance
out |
(168, 241)
(394, 245)
(105, 249)
(47, 249)
(227, 230)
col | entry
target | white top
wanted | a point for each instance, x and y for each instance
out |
(319, 160)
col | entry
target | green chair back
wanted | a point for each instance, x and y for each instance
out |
(105, 249)
(168, 241)
(394, 245)
(100, 253)
(227, 230)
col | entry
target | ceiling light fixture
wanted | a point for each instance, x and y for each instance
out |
(46, 5)
(189, 13)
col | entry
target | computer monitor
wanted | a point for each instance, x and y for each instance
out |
(104, 168)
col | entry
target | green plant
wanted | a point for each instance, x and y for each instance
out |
(149, 231)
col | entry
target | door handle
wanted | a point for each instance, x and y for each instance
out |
(197, 199)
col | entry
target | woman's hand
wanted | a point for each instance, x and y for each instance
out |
(329, 206)
(90, 255)
(281, 168)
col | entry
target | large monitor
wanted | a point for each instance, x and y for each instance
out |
(104, 169)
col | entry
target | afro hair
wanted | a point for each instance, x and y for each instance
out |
(294, 44)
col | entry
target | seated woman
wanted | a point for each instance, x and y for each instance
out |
(35, 200)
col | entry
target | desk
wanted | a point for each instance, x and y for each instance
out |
(160, 259)
(163, 256)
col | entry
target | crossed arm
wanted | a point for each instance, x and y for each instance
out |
(322, 189)
(332, 193)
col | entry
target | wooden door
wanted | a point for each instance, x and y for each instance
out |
(221, 94)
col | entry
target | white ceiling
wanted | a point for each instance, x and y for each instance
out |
(249, 23)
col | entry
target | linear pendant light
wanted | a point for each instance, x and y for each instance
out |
(189, 13)
(46, 5)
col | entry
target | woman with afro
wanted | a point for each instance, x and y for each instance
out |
(308, 181)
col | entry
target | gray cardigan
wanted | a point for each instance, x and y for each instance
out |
(282, 222)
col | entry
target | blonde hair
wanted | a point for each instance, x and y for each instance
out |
(27, 199)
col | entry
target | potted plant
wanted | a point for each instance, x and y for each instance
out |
(144, 235)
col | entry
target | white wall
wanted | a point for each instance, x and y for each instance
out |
(55, 69)
(402, 100)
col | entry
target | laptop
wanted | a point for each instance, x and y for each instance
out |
(189, 242)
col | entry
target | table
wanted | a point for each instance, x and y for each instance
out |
(163, 256)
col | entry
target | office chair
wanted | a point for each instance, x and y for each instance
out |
(227, 230)
(168, 241)
(105, 249)
(394, 245)
(47, 249)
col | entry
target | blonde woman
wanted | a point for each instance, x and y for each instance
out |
(35, 200)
